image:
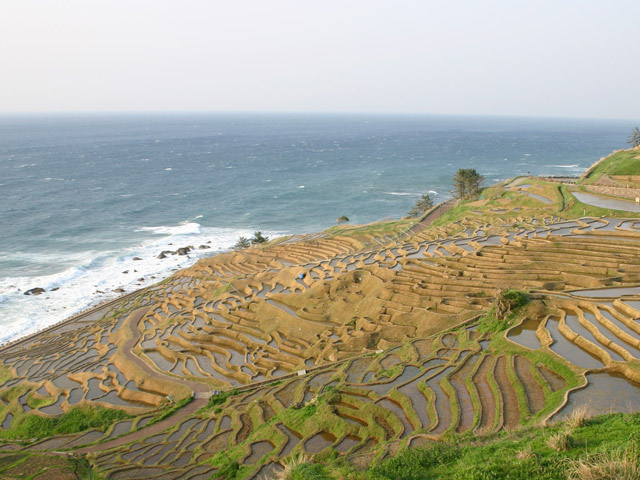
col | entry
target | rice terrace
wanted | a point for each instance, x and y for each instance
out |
(488, 337)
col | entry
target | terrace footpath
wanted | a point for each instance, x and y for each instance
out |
(431, 217)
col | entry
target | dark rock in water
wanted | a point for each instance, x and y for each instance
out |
(35, 291)
(137, 258)
(99, 291)
(141, 279)
(184, 250)
(126, 271)
(204, 247)
(54, 289)
(119, 290)
(164, 253)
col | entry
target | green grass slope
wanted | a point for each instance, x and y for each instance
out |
(604, 447)
(622, 162)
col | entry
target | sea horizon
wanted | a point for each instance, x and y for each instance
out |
(307, 114)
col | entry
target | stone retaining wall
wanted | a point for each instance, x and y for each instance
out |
(622, 192)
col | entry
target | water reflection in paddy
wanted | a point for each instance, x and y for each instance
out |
(610, 203)
(573, 323)
(319, 442)
(409, 372)
(570, 351)
(607, 292)
(539, 197)
(631, 348)
(598, 397)
(525, 334)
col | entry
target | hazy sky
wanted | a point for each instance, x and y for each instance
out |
(574, 58)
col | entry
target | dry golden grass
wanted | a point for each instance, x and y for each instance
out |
(290, 467)
(617, 465)
(526, 453)
(578, 417)
(561, 441)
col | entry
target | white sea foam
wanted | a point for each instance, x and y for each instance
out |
(402, 194)
(189, 228)
(95, 275)
(566, 166)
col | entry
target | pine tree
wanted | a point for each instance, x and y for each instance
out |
(258, 238)
(422, 204)
(242, 243)
(634, 139)
(466, 183)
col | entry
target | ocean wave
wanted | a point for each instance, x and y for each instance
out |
(566, 166)
(189, 228)
(97, 274)
(402, 194)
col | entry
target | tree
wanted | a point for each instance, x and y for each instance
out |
(466, 183)
(242, 243)
(634, 139)
(258, 238)
(342, 219)
(425, 202)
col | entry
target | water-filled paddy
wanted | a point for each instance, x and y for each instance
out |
(605, 393)
(525, 334)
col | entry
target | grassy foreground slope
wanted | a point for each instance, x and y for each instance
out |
(369, 351)
(603, 447)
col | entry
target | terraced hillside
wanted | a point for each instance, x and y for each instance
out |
(354, 342)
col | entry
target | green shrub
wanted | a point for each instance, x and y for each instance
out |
(413, 463)
(228, 470)
(220, 398)
(310, 471)
(75, 420)
(499, 317)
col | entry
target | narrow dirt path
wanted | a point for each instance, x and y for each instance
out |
(435, 214)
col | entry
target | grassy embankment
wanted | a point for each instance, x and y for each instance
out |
(623, 162)
(75, 420)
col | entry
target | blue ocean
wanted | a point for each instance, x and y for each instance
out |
(83, 195)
